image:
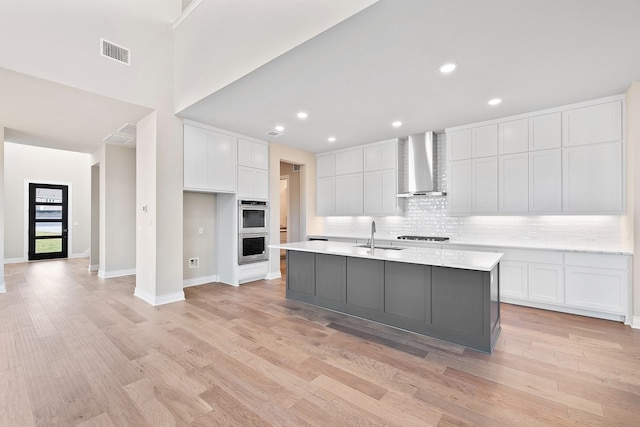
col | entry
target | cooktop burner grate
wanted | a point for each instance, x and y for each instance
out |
(424, 238)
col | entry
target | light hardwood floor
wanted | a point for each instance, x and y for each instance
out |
(75, 349)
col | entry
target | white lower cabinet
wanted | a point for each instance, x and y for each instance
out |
(513, 279)
(546, 283)
(598, 282)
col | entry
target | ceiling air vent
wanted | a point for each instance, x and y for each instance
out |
(118, 139)
(273, 133)
(115, 52)
(128, 128)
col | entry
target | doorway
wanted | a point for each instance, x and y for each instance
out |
(292, 201)
(48, 221)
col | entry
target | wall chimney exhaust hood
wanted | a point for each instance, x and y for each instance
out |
(420, 173)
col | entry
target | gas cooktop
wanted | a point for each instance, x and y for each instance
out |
(424, 238)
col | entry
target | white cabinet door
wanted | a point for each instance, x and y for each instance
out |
(380, 191)
(592, 125)
(513, 137)
(592, 178)
(514, 183)
(513, 279)
(326, 196)
(372, 193)
(459, 186)
(245, 152)
(325, 165)
(380, 156)
(484, 141)
(459, 145)
(596, 288)
(253, 154)
(545, 132)
(546, 283)
(545, 181)
(253, 183)
(349, 162)
(260, 156)
(484, 173)
(197, 158)
(349, 194)
(223, 167)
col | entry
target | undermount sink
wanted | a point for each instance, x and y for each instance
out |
(383, 247)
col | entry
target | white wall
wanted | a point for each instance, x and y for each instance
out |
(199, 212)
(34, 164)
(633, 188)
(94, 261)
(60, 41)
(213, 49)
(2, 167)
(309, 223)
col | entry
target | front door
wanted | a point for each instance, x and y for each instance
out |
(47, 221)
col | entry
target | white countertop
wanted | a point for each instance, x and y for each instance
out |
(497, 245)
(468, 260)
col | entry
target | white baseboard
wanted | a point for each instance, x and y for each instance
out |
(159, 299)
(3, 289)
(93, 267)
(199, 281)
(635, 323)
(116, 273)
(274, 275)
(14, 260)
(78, 256)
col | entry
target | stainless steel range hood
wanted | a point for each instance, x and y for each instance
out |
(420, 166)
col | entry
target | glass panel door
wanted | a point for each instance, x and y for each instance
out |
(47, 221)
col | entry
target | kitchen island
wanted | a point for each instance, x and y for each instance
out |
(447, 294)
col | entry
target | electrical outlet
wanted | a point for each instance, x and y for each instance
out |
(194, 262)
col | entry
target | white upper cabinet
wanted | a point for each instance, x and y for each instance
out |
(349, 194)
(380, 189)
(349, 161)
(545, 132)
(514, 183)
(484, 141)
(513, 137)
(325, 165)
(592, 125)
(545, 181)
(326, 196)
(253, 154)
(253, 183)
(459, 145)
(592, 179)
(459, 186)
(484, 173)
(381, 156)
(210, 160)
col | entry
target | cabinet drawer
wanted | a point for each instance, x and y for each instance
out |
(618, 262)
(544, 257)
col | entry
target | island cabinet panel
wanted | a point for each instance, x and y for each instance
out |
(407, 291)
(365, 279)
(301, 273)
(331, 277)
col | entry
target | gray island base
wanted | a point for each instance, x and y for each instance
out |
(458, 305)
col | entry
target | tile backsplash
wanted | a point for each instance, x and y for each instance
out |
(428, 216)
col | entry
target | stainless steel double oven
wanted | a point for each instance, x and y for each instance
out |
(253, 231)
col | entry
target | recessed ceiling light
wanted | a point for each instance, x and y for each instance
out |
(494, 101)
(331, 139)
(302, 115)
(396, 124)
(448, 67)
(279, 128)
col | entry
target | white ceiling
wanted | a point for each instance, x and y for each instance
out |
(46, 114)
(382, 65)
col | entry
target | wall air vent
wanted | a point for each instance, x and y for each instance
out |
(118, 139)
(128, 128)
(115, 52)
(273, 133)
(296, 168)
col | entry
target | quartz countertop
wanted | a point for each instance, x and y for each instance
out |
(498, 245)
(467, 260)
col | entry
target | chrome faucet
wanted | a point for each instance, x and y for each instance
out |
(373, 230)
